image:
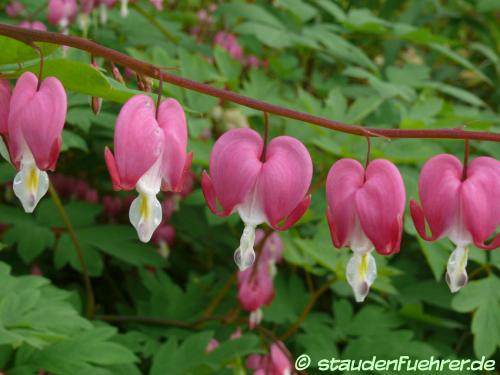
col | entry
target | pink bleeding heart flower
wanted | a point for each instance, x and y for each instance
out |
(62, 12)
(14, 8)
(36, 120)
(276, 363)
(229, 42)
(4, 106)
(268, 188)
(150, 153)
(463, 206)
(365, 211)
(35, 25)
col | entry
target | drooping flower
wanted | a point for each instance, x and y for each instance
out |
(104, 5)
(255, 284)
(268, 188)
(149, 154)
(14, 8)
(463, 206)
(62, 12)
(276, 362)
(4, 105)
(365, 211)
(212, 345)
(36, 119)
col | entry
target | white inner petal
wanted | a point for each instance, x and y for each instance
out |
(251, 211)
(457, 233)
(244, 256)
(103, 14)
(124, 8)
(145, 213)
(361, 272)
(456, 274)
(30, 183)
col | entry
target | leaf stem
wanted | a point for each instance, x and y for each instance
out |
(90, 305)
(154, 22)
(29, 36)
(312, 301)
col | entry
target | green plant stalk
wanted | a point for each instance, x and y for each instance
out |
(90, 303)
(154, 22)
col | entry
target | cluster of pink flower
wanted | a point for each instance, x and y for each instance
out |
(229, 42)
(62, 13)
(264, 183)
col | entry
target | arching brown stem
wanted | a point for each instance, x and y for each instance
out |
(29, 36)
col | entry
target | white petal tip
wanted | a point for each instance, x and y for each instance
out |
(244, 259)
(30, 185)
(361, 272)
(456, 274)
(145, 215)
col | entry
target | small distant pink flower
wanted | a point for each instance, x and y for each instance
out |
(14, 8)
(236, 334)
(212, 345)
(229, 42)
(36, 270)
(164, 234)
(62, 12)
(276, 362)
(253, 61)
(158, 4)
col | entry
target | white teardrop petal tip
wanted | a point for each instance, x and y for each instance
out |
(456, 273)
(30, 185)
(145, 214)
(361, 272)
(244, 256)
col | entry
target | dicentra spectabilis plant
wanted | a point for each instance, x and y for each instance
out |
(460, 203)
(365, 212)
(263, 184)
(149, 155)
(37, 114)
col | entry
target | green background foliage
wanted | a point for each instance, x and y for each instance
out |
(416, 64)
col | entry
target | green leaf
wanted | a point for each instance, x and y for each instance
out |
(31, 239)
(15, 52)
(483, 298)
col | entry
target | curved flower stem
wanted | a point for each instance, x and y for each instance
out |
(219, 296)
(266, 136)
(90, 305)
(154, 22)
(368, 151)
(29, 36)
(466, 159)
(312, 301)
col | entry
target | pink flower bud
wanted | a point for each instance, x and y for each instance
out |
(236, 334)
(14, 8)
(158, 4)
(365, 211)
(35, 25)
(255, 290)
(276, 363)
(463, 207)
(62, 12)
(164, 234)
(272, 191)
(150, 153)
(35, 123)
(212, 345)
